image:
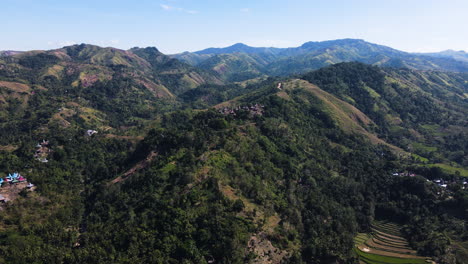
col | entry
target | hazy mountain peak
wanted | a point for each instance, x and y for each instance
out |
(4, 53)
(459, 55)
(239, 45)
(453, 51)
(238, 48)
(335, 42)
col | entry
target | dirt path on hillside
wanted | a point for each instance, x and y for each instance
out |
(387, 253)
(140, 165)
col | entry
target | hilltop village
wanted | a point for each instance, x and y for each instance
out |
(12, 185)
(447, 186)
(252, 110)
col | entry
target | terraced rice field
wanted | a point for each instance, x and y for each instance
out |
(386, 245)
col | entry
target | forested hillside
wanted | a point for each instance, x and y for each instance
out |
(145, 159)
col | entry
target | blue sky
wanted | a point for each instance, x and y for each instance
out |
(179, 25)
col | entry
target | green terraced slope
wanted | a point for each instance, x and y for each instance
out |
(385, 245)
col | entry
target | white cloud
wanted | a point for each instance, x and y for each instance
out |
(245, 10)
(166, 7)
(106, 43)
(179, 9)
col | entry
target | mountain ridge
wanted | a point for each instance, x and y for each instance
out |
(316, 54)
(242, 47)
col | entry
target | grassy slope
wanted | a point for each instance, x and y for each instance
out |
(348, 117)
(451, 169)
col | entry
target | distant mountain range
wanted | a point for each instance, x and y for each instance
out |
(239, 61)
(453, 54)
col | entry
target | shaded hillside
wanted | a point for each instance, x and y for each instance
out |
(8, 52)
(236, 67)
(175, 74)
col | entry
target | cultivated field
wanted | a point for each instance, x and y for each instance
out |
(386, 245)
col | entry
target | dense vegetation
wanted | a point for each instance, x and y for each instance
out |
(187, 169)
